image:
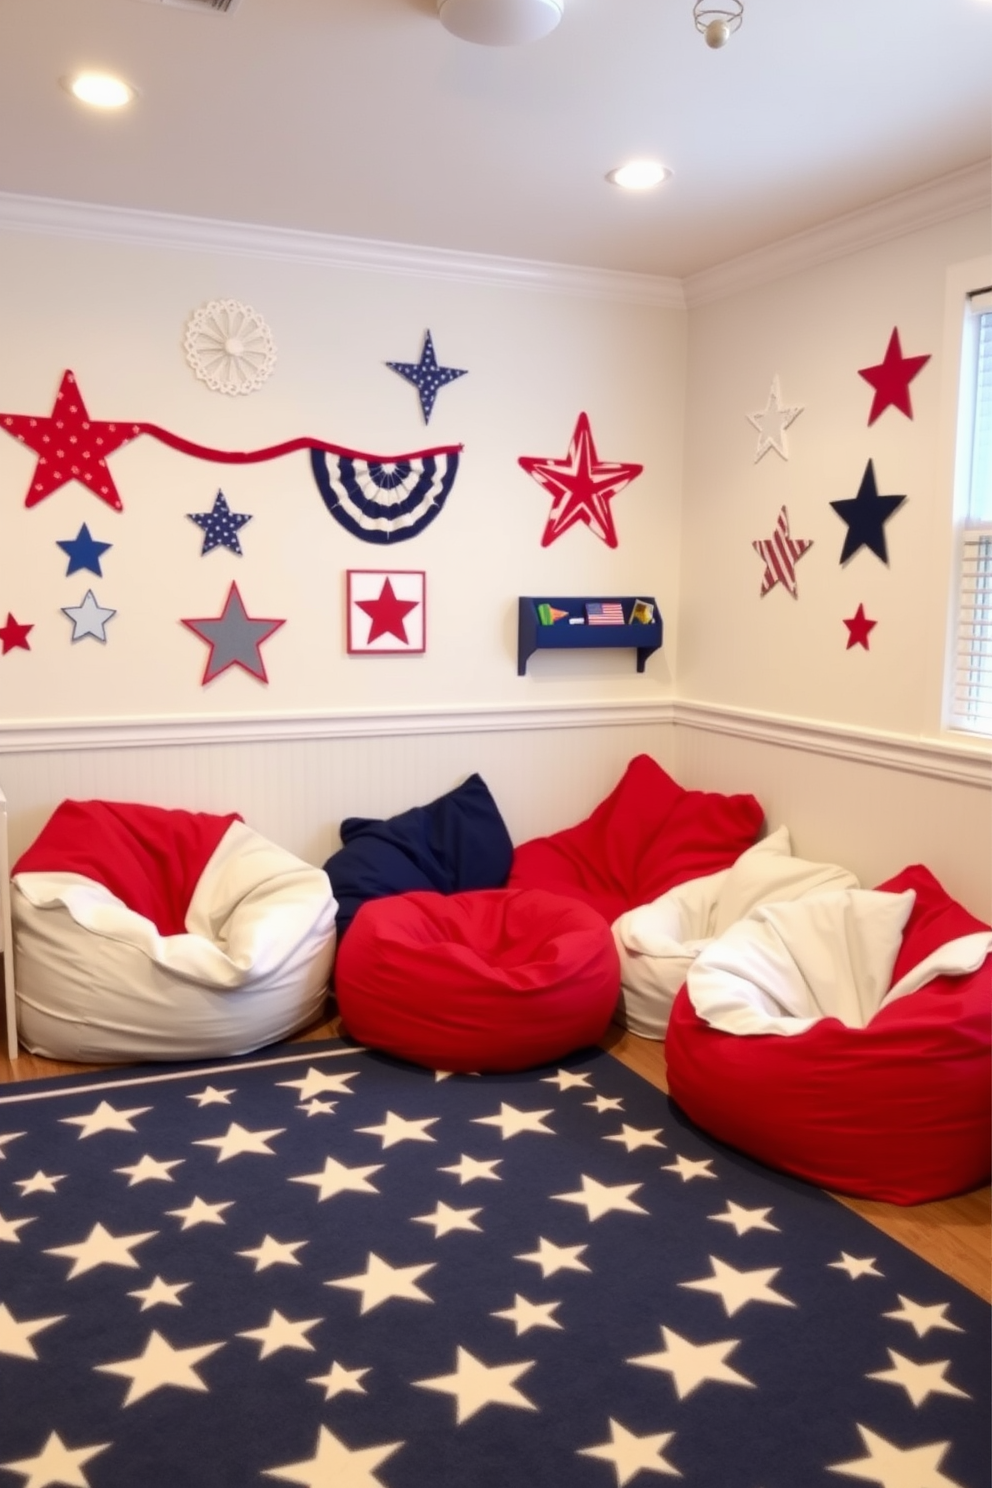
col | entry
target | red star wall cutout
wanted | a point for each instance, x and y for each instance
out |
(234, 638)
(891, 379)
(385, 608)
(581, 486)
(781, 552)
(13, 635)
(859, 627)
(70, 446)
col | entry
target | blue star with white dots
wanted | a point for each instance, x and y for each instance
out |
(427, 377)
(84, 552)
(220, 526)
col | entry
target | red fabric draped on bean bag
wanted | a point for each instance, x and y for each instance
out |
(487, 980)
(648, 835)
(898, 1111)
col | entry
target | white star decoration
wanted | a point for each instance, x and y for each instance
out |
(687, 1169)
(316, 1082)
(634, 1137)
(745, 1219)
(551, 1257)
(160, 1365)
(511, 1121)
(895, 1467)
(525, 1315)
(736, 1288)
(211, 1097)
(630, 1454)
(692, 1364)
(380, 1282)
(101, 1248)
(918, 1380)
(274, 1253)
(467, 1169)
(336, 1178)
(160, 1293)
(89, 617)
(10, 1227)
(40, 1183)
(6, 1137)
(600, 1198)
(15, 1337)
(104, 1118)
(603, 1103)
(200, 1212)
(282, 1333)
(855, 1266)
(334, 1463)
(398, 1129)
(922, 1318)
(771, 424)
(236, 1140)
(339, 1381)
(474, 1385)
(56, 1463)
(567, 1080)
(147, 1168)
(445, 1219)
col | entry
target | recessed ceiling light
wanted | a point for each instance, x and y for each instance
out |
(99, 89)
(639, 175)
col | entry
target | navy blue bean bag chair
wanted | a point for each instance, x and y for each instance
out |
(455, 843)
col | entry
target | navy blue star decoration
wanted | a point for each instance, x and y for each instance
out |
(866, 515)
(84, 552)
(220, 526)
(427, 377)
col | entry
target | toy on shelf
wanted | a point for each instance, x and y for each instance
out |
(582, 623)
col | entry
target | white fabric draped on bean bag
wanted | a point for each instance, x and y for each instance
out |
(99, 981)
(660, 941)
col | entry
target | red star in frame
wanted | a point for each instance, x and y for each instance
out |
(891, 378)
(234, 637)
(859, 628)
(386, 606)
(14, 636)
(70, 446)
(581, 486)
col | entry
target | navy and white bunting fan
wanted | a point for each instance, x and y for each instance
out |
(385, 500)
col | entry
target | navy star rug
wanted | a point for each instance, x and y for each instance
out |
(320, 1266)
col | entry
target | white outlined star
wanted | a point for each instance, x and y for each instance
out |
(772, 422)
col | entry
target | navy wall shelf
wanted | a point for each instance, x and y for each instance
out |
(561, 636)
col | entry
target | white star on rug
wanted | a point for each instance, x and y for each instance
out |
(771, 424)
(604, 1103)
(511, 1121)
(566, 1080)
(274, 1253)
(212, 1097)
(104, 1118)
(855, 1266)
(380, 1281)
(15, 1337)
(551, 1257)
(398, 1129)
(40, 1183)
(317, 1082)
(333, 1462)
(632, 1454)
(895, 1467)
(159, 1365)
(336, 1178)
(281, 1333)
(445, 1219)
(633, 1137)
(468, 1168)
(160, 1293)
(687, 1169)
(56, 1464)
(745, 1219)
(101, 1248)
(10, 1227)
(317, 1107)
(601, 1198)
(918, 1380)
(525, 1315)
(475, 1385)
(736, 1288)
(923, 1318)
(238, 1140)
(200, 1212)
(9, 1137)
(692, 1364)
(147, 1168)
(339, 1380)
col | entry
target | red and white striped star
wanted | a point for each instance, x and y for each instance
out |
(781, 552)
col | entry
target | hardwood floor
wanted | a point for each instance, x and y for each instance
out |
(954, 1235)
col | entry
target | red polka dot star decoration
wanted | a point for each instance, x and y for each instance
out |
(581, 486)
(891, 377)
(70, 446)
(781, 552)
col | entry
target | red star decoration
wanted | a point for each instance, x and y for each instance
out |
(387, 614)
(70, 446)
(581, 486)
(891, 379)
(13, 635)
(859, 628)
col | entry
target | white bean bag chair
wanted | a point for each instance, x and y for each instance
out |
(659, 942)
(143, 933)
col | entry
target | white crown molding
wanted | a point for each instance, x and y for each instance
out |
(82, 220)
(962, 762)
(954, 195)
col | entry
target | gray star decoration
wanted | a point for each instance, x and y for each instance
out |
(427, 377)
(220, 526)
(89, 618)
(234, 638)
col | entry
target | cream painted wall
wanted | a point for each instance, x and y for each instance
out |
(115, 313)
(815, 328)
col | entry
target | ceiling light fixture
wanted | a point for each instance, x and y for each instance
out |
(99, 90)
(717, 23)
(639, 175)
(500, 22)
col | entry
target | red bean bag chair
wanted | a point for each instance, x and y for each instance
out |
(495, 979)
(648, 835)
(898, 1110)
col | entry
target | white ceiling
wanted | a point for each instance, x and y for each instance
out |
(365, 118)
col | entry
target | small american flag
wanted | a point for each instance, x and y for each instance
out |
(609, 612)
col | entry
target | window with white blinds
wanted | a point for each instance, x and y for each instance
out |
(970, 702)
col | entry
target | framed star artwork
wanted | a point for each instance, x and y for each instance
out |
(387, 611)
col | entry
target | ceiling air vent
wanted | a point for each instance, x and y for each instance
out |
(223, 7)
